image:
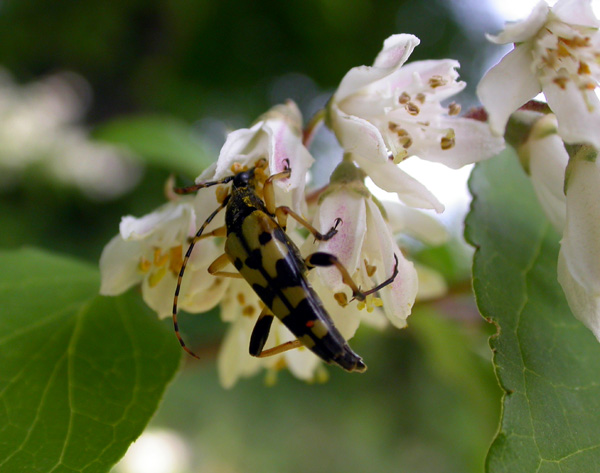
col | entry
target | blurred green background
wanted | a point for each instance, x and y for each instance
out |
(169, 79)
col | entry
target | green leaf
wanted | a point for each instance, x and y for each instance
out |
(546, 361)
(164, 142)
(80, 374)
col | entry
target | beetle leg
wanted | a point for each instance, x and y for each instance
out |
(269, 191)
(260, 334)
(326, 259)
(282, 213)
(280, 348)
(217, 232)
(197, 237)
(217, 265)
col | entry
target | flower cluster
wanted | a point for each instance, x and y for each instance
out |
(557, 52)
(381, 116)
(39, 130)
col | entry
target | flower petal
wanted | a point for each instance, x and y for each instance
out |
(473, 142)
(391, 178)
(500, 95)
(233, 360)
(519, 31)
(547, 164)
(242, 146)
(395, 52)
(399, 296)
(581, 240)
(578, 113)
(358, 136)
(347, 243)
(415, 223)
(432, 284)
(576, 12)
(119, 266)
(584, 304)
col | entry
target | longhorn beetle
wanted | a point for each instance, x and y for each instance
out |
(265, 256)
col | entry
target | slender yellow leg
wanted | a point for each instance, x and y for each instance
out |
(218, 264)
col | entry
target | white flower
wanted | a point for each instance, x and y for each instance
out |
(557, 52)
(39, 130)
(365, 247)
(574, 214)
(277, 137)
(547, 160)
(392, 108)
(149, 250)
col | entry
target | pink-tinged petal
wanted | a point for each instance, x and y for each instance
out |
(547, 164)
(395, 52)
(577, 111)
(287, 150)
(391, 178)
(581, 240)
(399, 296)
(119, 266)
(233, 360)
(507, 86)
(358, 136)
(584, 304)
(519, 31)
(347, 243)
(415, 223)
(576, 12)
(473, 142)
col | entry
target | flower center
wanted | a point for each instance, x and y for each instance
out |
(161, 263)
(560, 59)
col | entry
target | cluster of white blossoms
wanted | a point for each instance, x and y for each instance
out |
(381, 115)
(557, 52)
(39, 130)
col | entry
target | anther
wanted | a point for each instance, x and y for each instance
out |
(404, 98)
(436, 81)
(449, 140)
(454, 109)
(412, 109)
(341, 299)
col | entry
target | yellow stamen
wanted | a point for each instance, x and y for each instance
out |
(341, 299)
(176, 259)
(249, 311)
(157, 276)
(159, 258)
(144, 265)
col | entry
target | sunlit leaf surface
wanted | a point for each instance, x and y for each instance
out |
(80, 375)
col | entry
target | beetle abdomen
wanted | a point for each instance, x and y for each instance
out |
(271, 263)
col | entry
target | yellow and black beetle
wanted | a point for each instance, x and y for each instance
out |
(265, 256)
